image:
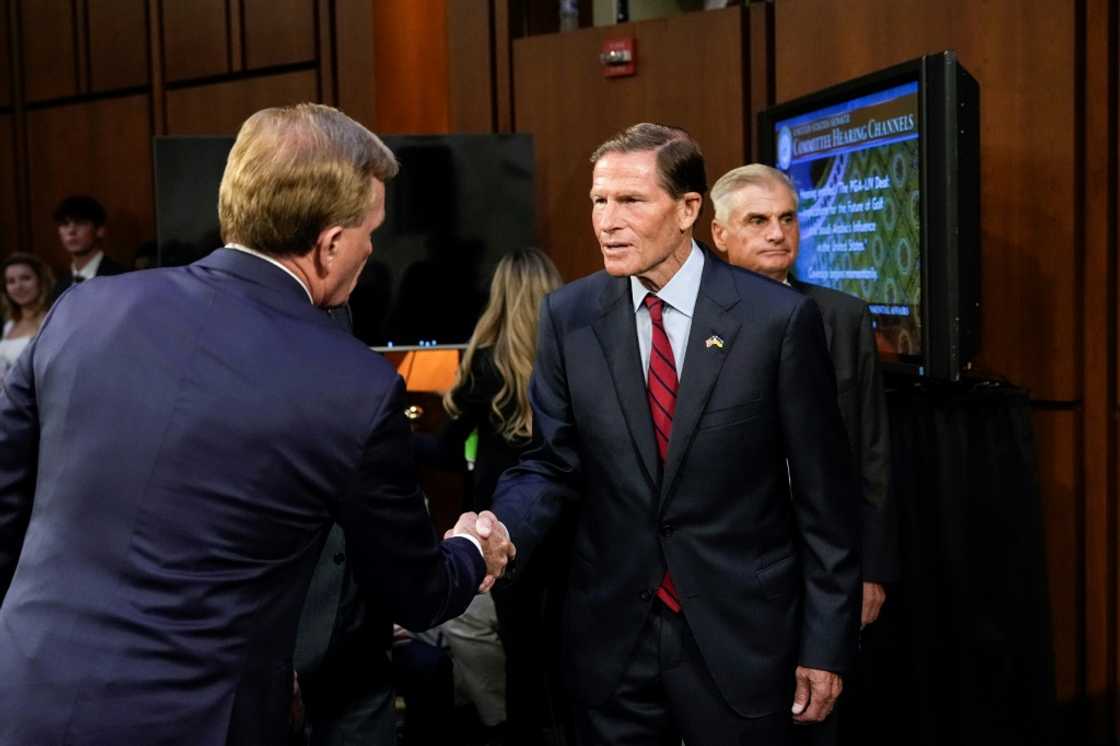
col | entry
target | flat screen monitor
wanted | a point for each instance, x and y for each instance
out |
(886, 168)
(459, 203)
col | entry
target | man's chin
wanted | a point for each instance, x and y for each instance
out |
(617, 269)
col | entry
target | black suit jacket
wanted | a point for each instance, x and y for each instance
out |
(765, 581)
(174, 447)
(851, 343)
(106, 268)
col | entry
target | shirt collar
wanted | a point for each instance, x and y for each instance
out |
(682, 288)
(272, 261)
(89, 271)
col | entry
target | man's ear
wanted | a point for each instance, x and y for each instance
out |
(327, 248)
(101, 232)
(719, 236)
(689, 211)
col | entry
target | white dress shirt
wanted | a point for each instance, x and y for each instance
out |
(89, 271)
(679, 295)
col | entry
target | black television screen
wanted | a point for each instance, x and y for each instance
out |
(459, 203)
(887, 174)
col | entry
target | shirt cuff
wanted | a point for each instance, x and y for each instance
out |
(472, 540)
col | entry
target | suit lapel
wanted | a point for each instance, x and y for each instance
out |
(618, 335)
(702, 364)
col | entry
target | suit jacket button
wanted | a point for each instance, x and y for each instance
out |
(667, 529)
(339, 558)
(646, 594)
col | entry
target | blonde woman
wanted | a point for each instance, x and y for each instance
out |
(504, 678)
(491, 391)
(27, 288)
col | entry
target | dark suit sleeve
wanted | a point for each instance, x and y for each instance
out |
(390, 541)
(880, 530)
(19, 458)
(825, 497)
(531, 496)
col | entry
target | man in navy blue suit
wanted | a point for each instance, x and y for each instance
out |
(176, 444)
(673, 396)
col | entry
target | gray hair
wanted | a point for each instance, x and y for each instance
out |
(754, 174)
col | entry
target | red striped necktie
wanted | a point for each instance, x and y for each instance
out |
(661, 389)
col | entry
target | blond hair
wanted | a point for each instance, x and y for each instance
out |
(508, 328)
(43, 274)
(295, 171)
(754, 174)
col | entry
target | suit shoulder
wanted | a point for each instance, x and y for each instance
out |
(581, 301)
(110, 266)
(835, 301)
(774, 294)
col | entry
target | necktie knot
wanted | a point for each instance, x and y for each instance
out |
(654, 305)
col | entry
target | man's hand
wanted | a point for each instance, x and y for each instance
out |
(491, 533)
(874, 595)
(816, 694)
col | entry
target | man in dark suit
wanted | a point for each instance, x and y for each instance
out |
(669, 393)
(174, 447)
(81, 230)
(756, 227)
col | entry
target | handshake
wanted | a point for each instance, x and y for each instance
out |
(493, 537)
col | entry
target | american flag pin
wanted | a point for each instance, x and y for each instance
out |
(713, 341)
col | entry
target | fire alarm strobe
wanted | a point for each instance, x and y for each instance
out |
(619, 57)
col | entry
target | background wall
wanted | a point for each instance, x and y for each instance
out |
(84, 86)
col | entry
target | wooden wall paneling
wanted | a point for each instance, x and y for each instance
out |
(470, 49)
(81, 23)
(823, 40)
(49, 35)
(562, 98)
(220, 108)
(1022, 54)
(410, 66)
(1112, 60)
(195, 38)
(9, 217)
(327, 54)
(19, 126)
(279, 32)
(503, 67)
(759, 74)
(1056, 442)
(235, 27)
(118, 45)
(5, 56)
(355, 55)
(155, 67)
(102, 148)
(1096, 238)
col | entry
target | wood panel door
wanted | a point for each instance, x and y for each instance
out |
(690, 73)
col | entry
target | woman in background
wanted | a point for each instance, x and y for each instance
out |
(27, 287)
(491, 397)
(491, 390)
